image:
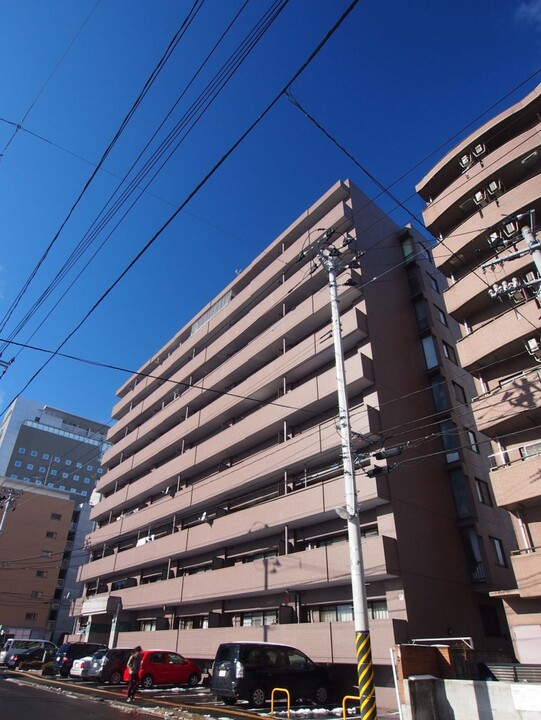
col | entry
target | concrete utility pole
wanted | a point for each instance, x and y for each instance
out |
(8, 498)
(332, 261)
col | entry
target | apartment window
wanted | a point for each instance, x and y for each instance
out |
(100, 471)
(147, 625)
(36, 595)
(87, 481)
(89, 468)
(442, 317)
(41, 573)
(34, 453)
(61, 487)
(336, 613)
(483, 492)
(22, 451)
(57, 459)
(83, 493)
(31, 616)
(75, 478)
(18, 463)
(56, 516)
(490, 621)
(472, 441)
(433, 282)
(430, 353)
(29, 466)
(79, 465)
(377, 609)
(46, 553)
(407, 248)
(53, 472)
(67, 462)
(461, 494)
(65, 475)
(460, 394)
(421, 314)
(259, 618)
(449, 352)
(499, 553)
(45, 456)
(414, 280)
(42, 469)
(439, 394)
(450, 440)
(51, 535)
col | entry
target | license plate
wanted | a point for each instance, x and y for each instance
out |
(221, 673)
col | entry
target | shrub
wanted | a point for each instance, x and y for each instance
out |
(30, 665)
(48, 669)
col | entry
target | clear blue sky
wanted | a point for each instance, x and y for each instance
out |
(394, 83)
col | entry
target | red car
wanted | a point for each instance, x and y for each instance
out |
(161, 667)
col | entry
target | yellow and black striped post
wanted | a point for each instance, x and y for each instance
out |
(365, 671)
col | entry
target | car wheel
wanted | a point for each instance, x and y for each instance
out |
(64, 673)
(193, 680)
(147, 682)
(228, 700)
(257, 696)
(321, 694)
(115, 677)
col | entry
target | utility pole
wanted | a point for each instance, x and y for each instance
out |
(8, 499)
(332, 261)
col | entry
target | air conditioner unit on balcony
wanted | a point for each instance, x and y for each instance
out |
(534, 348)
(495, 188)
(510, 228)
(496, 241)
(465, 161)
(479, 150)
(480, 198)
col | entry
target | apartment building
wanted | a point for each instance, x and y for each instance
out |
(217, 517)
(33, 542)
(44, 447)
(483, 198)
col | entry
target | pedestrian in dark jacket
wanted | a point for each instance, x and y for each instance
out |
(134, 665)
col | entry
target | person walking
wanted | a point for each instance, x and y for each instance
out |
(134, 665)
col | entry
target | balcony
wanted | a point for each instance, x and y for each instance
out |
(515, 406)
(527, 568)
(323, 642)
(517, 483)
(490, 343)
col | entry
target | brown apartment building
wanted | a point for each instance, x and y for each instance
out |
(217, 518)
(482, 199)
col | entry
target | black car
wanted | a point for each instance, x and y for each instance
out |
(250, 671)
(14, 659)
(109, 665)
(68, 652)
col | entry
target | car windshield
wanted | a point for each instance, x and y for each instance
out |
(99, 655)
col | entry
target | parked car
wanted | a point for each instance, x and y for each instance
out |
(81, 667)
(162, 667)
(15, 657)
(109, 665)
(21, 644)
(68, 652)
(250, 670)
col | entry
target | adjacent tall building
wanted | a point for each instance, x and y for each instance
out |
(483, 199)
(46, 449)
(218, 513)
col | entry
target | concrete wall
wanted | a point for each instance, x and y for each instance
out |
(431, 698)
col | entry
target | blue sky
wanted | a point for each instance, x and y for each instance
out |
(395, 82)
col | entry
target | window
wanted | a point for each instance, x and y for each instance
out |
(439, 394)
(18, 463)
(31, 616)
(65, 475)
(22, 451)
(56, 459)
(421, 314)
(61, 487)
(472, 440)
(442, 317)
(450, 440)
(36, 594)
(377, 609)
(259, 618)
(79, 465)
(407, 247)
(34, 453)
(46, 553)
(51, 535)
(483, 492)
(83, 493)
(29, 466)
(42, 469)
(449, 352)
(147, 625)
(336, 613)
(433, 282)
(499, 552)
(429, 350)
(100, 471)
(89, 468)
(45, 456)
(461, 494)
(460, 394)
(68, 462)
(41, 573)
(75, 478)
(56, 516)
(87, 481)
(53, 472)
(490, 621)
(414, 280)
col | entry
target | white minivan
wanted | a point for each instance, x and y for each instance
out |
(21, 644)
